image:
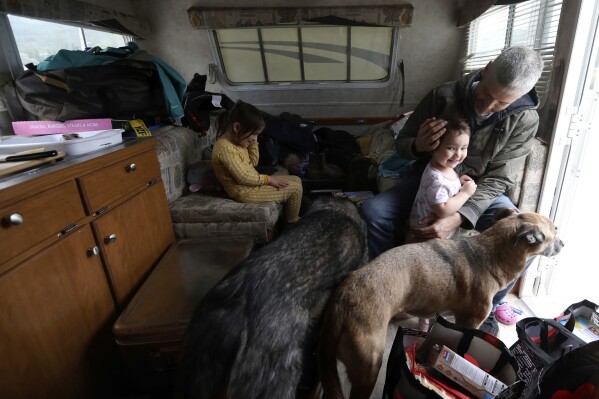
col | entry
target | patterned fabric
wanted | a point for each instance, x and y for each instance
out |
(209, 207)
(199, 215)
(177, 148)
(221, 18)
(258, 231)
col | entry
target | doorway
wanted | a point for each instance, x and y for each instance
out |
(570, 196)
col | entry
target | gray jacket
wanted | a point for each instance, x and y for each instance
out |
(497, 149)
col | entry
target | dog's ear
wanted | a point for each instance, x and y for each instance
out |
(504, 212)
(531, 234)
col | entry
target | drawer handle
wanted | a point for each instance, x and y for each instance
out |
(67, 230)
(93, 251)
(100, 211)
(152, 182)
(110, 239)
(131, 168)
(13, 220)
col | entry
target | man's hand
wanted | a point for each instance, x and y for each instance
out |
(277, 182)
(438, 227)
(429, 133)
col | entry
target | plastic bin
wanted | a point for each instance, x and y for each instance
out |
(86, 142)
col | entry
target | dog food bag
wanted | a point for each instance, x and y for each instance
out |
(466, 374)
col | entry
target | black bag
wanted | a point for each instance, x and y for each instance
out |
(127, 88)
(540, 343)
(575, 375)
(197, 104)
(490, 353)
(584, 308)
(339, 146)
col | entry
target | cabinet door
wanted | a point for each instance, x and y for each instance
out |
(54, 308)
(133, 236)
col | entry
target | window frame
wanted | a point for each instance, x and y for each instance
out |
(11, 49)
(218, 69)
(544, 83)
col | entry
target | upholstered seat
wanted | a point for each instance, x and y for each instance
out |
(206, 214)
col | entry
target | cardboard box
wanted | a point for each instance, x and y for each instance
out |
(30, 128)
(478, 382)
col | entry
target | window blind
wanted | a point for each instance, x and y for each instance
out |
(532, 23)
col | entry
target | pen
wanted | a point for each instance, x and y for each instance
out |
(28, 157)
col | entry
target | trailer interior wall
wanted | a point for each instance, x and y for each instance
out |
(430, 48)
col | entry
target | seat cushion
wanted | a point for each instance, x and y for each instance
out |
(212, 207)
(199, 215)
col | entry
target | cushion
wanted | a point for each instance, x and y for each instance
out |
(213, 207)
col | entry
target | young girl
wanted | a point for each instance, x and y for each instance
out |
(235, 156)
(442, 192)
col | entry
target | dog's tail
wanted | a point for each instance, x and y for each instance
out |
(327, 353)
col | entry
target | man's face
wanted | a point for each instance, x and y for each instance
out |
(490, 97)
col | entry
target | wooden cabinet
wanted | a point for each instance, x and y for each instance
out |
(76, 240)
(130, 249)
(53, 308)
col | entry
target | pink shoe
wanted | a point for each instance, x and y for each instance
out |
(505, 315)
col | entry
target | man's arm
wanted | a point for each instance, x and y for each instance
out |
(502, 169)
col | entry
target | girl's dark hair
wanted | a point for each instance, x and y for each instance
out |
(249, 118)
(456, 124)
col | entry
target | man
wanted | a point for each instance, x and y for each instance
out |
(500, 104)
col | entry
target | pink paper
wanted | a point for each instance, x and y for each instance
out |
(29, 128)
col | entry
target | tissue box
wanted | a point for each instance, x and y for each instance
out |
(30, 128)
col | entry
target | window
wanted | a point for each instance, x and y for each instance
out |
(35, 47)
(314, 54)
(532, 23)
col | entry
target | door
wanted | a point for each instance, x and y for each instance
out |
(133, 236)
(570, 193)
(55, 307)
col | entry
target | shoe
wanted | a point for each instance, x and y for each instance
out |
(490, 326)
(505, 315)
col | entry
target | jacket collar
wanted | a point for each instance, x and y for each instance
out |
(528, 101)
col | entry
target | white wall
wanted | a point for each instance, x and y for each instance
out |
(430, 49)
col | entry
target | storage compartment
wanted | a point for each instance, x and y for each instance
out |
(29, 221)
(86, 142)
(151, 329)
(107, 185)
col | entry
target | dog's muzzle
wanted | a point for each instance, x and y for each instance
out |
(554, 248)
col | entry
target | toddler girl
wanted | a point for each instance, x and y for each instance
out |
(235, 157)
(442, 192)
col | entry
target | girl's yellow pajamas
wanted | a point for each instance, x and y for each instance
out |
(235, 168)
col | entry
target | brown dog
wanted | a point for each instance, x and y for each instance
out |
(423, 279)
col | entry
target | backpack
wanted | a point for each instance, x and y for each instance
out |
(130, 86)
(339, 146)
(197, 104)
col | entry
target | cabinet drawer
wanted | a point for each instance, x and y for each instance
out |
(112, 182)
(37, 218)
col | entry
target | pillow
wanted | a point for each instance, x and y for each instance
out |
(201, 177)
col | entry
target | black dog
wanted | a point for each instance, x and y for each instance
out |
(254, 334)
